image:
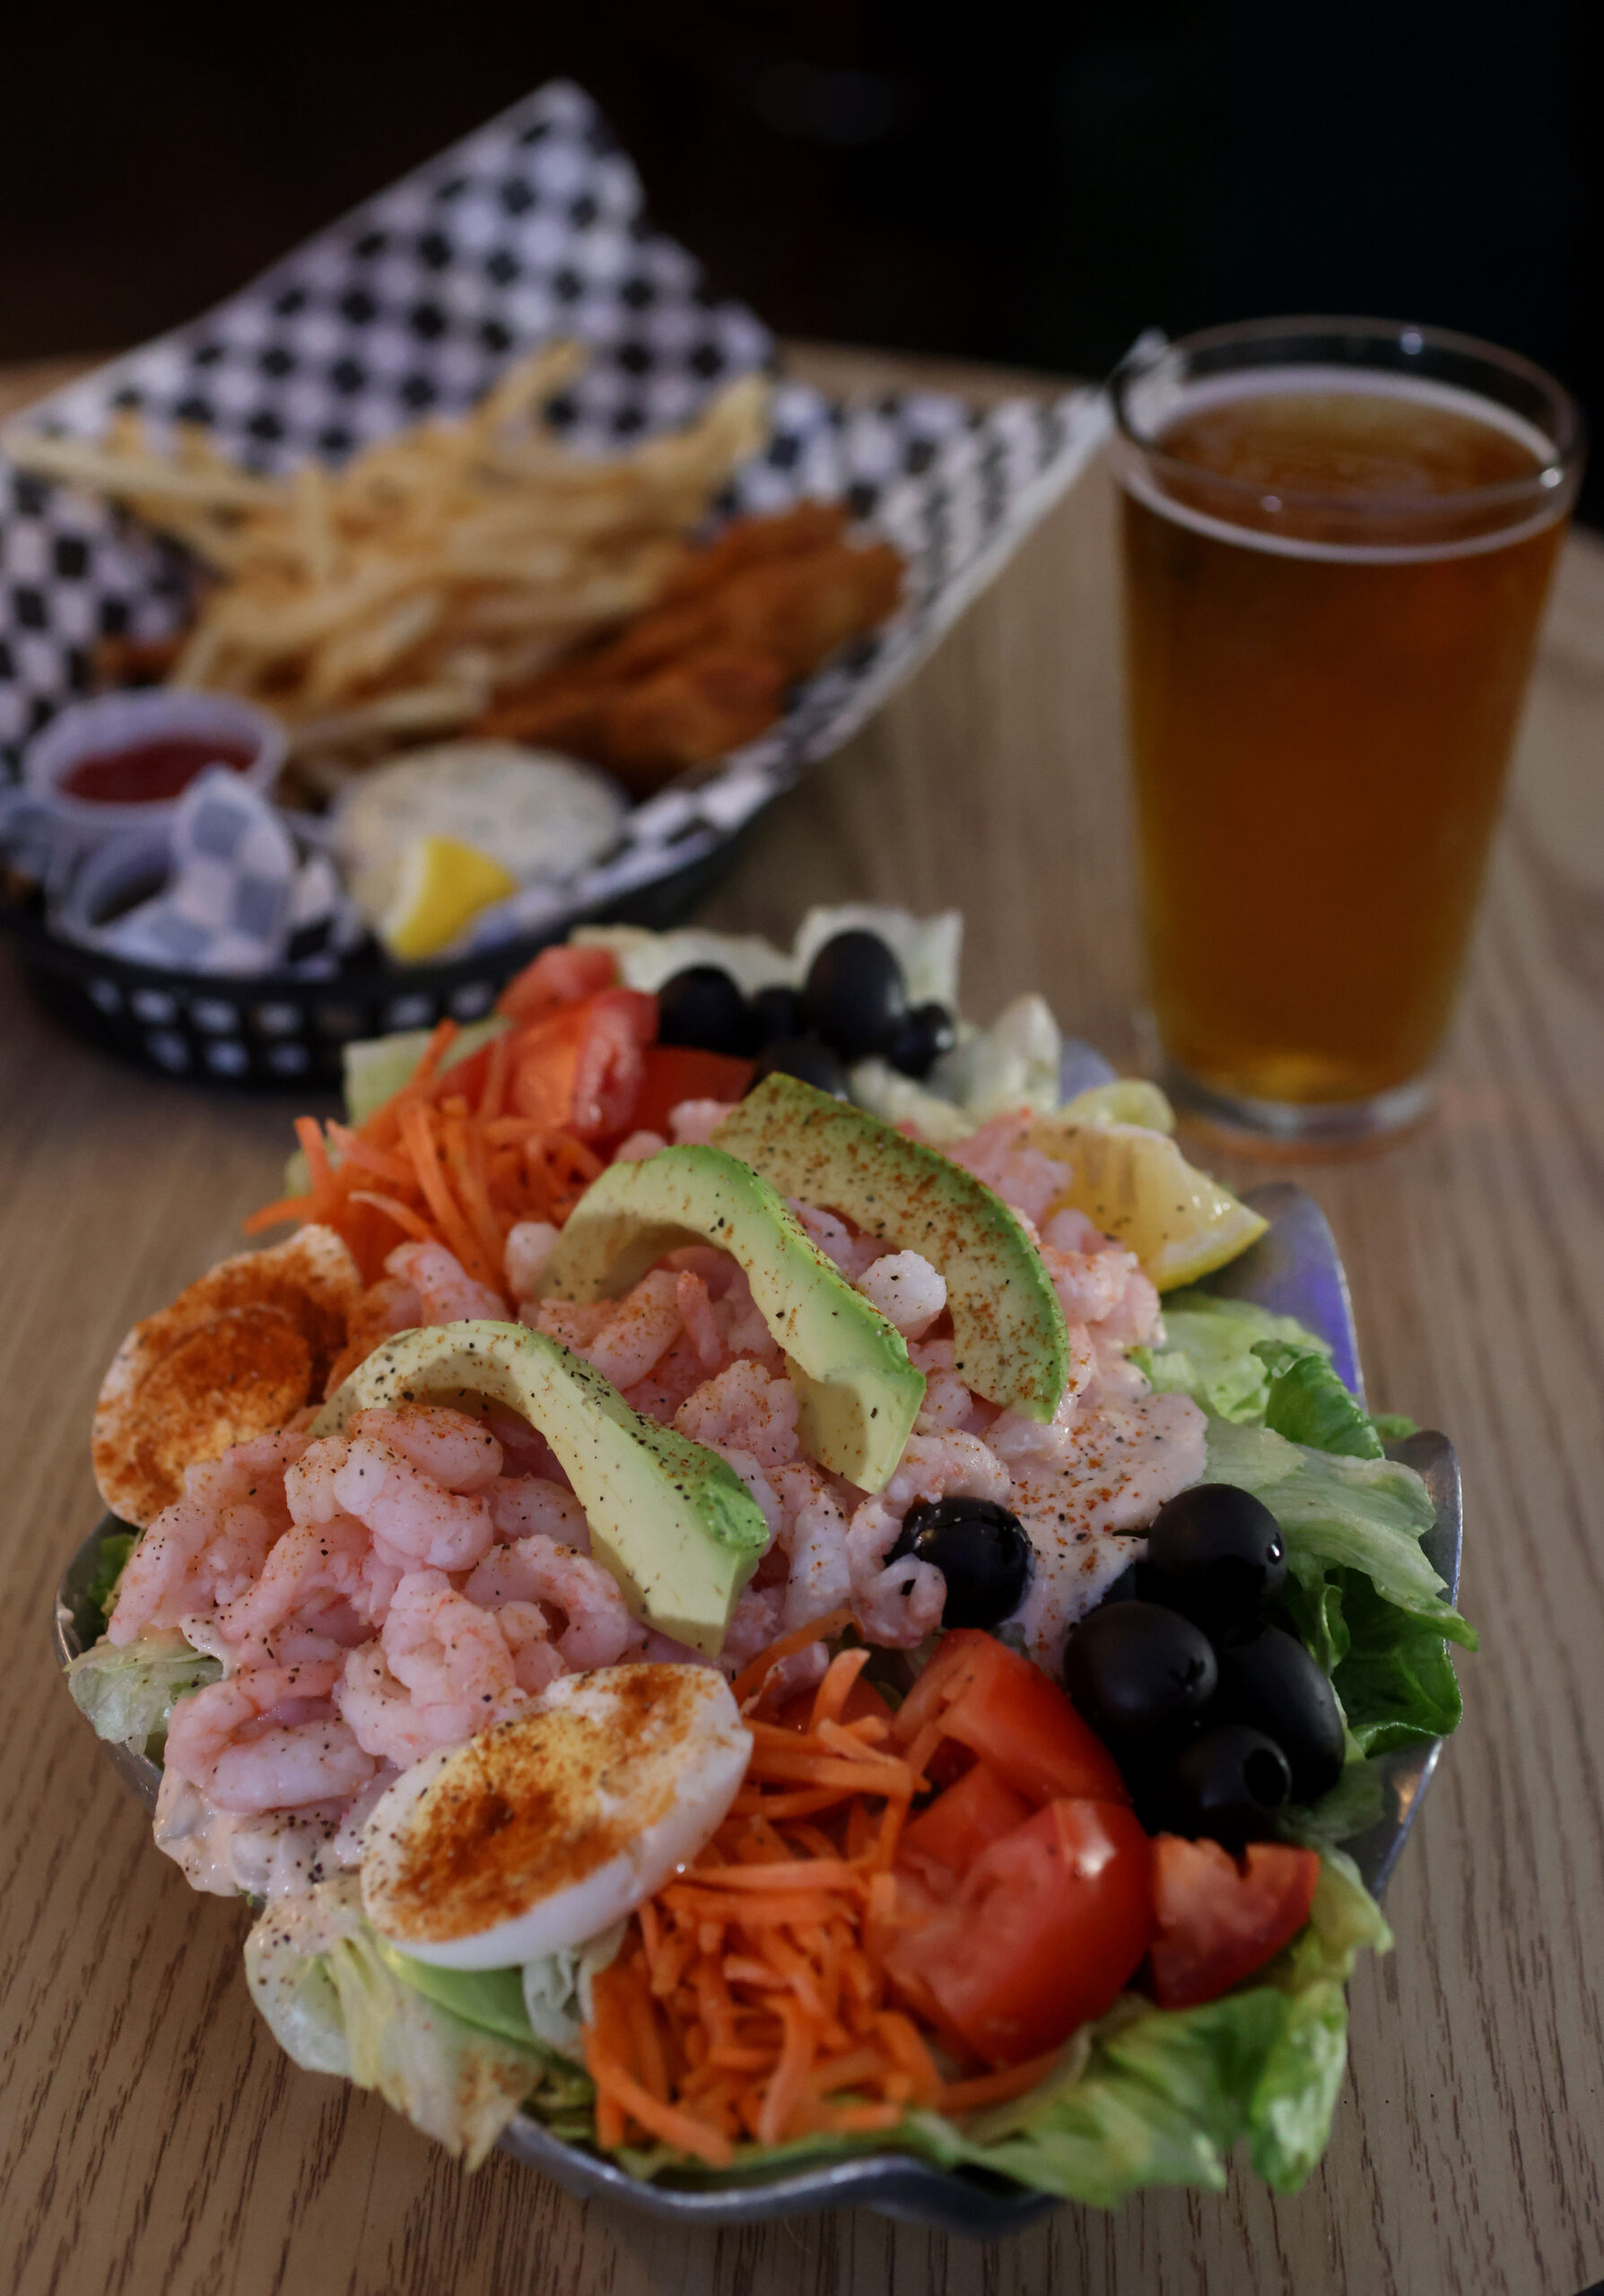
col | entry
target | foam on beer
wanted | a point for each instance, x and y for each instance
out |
(1159, 400)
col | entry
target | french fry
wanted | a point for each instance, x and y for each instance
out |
(402, 592)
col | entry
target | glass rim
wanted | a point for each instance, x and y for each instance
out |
(1566, 431)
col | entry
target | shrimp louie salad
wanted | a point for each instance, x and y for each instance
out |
(730, 1588)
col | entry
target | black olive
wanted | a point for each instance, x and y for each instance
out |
(773, 1012)
(1269, 1681)
(980, 1549)
(1217, 1554)
(702, 1006)
(1227, 1784)
(1137, 1672)
(802, 1057)
(1128, 1587)
(929, 1032)
(854, 996)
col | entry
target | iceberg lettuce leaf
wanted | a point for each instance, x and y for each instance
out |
(128, 1692)
(325, 1984)
(1395, 1679)
(1307, 1402)
(1368, 1515)
(1210, 1352)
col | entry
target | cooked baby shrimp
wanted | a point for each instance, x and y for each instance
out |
(814, 1534)
(939, 1466)
(528, 1245)
(446, 1650)
(906, 1289)
(742, 1321)
(1024, 1443)
(521, 1506)
(381, 1712)
(1000, 1155)
(851, 1253)
(745, 1407)
(415, 1522)
(526, 1631)
(696, 1314)
(639, 1147)
(447, 1294)
(697, 1120)
(385, 1307)
(267, 1739)
(947, 1407)
(599, 1627)
(641, 1326)
(209, 1544)
(753, 1625)
(572, 1323)
(311, 1560)
(457, 1451)
(898, 1602)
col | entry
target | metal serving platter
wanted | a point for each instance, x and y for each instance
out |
(1294, 1270)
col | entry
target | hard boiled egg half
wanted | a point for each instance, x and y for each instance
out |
(546, 1829)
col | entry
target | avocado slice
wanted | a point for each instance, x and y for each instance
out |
(1011, 1343)
(677, 1527)
(859, 1394)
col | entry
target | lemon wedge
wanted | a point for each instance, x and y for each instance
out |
(1138, 1187)
(1129, 1100)
(442, 883)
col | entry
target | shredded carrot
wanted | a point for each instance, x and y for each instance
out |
(495, 1077)
(417, 1130)
(830, 1696)
(454, 1163)
(751, 1678)
(445, 1035)
(757, 1983)
(996, 2088)
(685, 2131)
(804, 1767)
(464, 1158)
(795, 1873)
(354, 1150)
(785, 2084)
(403, 1215)
(273, 1215)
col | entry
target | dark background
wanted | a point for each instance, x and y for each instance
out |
(1002, 181)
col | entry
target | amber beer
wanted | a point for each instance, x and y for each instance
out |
(1335, 575)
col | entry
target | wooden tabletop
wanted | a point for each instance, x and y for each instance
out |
(153, 2139)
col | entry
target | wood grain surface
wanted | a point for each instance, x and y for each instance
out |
(153, 2139)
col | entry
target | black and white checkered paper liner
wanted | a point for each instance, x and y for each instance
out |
(531, 228)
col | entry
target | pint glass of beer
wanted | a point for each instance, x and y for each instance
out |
(1338, 536)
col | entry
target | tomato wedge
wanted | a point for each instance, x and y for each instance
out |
(558, 976)
(1046, 1928)
(580, 1068)
(943, 1841)
(1009, 1713)
(1217, 1921)
(673, 1072)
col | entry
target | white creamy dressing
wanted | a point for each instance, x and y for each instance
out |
(265, 1854)
(1086, 1510)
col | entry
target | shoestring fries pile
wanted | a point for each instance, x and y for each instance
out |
(402, 592)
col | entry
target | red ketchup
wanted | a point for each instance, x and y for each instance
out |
(150, 771)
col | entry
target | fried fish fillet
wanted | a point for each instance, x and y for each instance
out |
(707, 668)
